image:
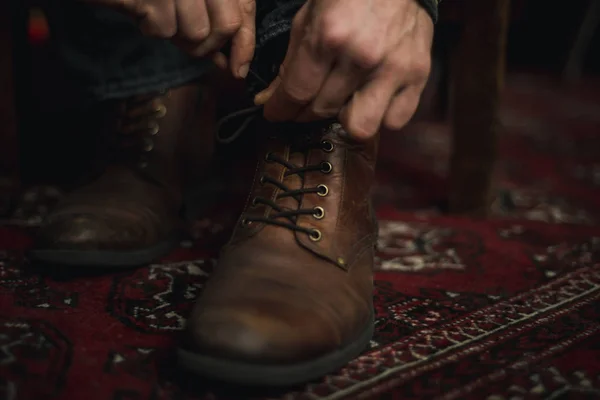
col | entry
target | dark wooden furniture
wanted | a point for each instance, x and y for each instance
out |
(478, 76)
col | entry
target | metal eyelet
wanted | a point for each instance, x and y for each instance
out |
(319, 213)
(326, 167)
(261, 180)
(153, 128)
(253, 202)
(327, 146)
(268, 157)
(315, 235)
(142, 162)
(148, 145)
(245, 222)
(160, 111)
(323, 190)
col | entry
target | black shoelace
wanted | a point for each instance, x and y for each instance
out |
(281, 217)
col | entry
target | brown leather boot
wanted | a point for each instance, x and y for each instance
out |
(291, 297)
(130, 215)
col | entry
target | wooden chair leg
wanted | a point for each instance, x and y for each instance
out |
(574, 66)
(477, 82)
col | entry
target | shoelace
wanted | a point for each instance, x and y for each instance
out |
(292, 215)
(250, 114)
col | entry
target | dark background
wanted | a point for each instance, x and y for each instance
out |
(55, 133)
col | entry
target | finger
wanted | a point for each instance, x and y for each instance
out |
(363, 114)
(157, 18)
(225, 20)
(295, 36)
(401, 109)
(243, 43)
(193, 23)
(339, 86)
(220, 60)
(262, 97)
(304, 75)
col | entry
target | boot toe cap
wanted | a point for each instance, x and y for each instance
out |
(249, 335)
(87, 232)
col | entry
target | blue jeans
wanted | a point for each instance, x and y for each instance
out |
(108, 58)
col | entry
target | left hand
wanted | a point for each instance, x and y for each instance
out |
(365, 61)
(199, 27)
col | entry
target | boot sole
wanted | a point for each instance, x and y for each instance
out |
(248, 374)
(105, 258)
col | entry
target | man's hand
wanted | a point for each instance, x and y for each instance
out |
(366, 61)
(200, 27)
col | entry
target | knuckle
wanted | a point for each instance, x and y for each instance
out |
(296, 95)
(418, 67)
(249, 34)
(323, 112)
(228, 27)
(422, 66)
(369, 56)
(198, 34)
(333, 33)
(248, 6)
(155, 26)
(398, 65)
(167, 31)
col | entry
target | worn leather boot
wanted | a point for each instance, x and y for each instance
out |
(130, 215)
(291, 297)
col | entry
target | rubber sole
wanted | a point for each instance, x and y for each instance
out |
(104, 258)
(248, 374)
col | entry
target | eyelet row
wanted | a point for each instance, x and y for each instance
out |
(153, 129)
(315, 235)
(319, 213)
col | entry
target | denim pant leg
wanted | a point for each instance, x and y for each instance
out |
(108, 58)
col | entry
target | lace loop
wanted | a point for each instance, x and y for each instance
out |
(250, 113)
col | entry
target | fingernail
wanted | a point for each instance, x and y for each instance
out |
(243, 70)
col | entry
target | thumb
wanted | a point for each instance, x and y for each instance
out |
(296, 35)
(262, 97)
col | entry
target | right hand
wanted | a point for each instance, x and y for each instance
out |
(199, 27)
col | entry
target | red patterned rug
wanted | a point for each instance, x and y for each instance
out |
(505, 308)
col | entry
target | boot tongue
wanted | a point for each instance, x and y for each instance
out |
(293, 181)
